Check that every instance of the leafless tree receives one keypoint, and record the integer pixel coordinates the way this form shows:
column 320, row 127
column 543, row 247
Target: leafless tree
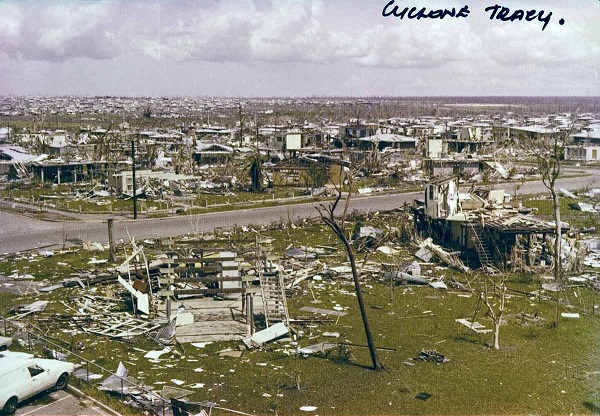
column 497, row 306
column 549, row 158
column 327, row 213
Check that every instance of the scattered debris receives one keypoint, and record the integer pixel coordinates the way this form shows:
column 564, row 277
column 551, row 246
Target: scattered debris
column 370, row 234
column 37, row 306
column 231, row 353
column 321, row 347
column 432, row 356
column 475, row 326
column 567, row 193
column 165, row 335
column 322, row 311
column 423, row 396
column 93, row 246
column 82, row 374
column 299, row 254
column 582, row 206
column 170, row 392
column 405, row 278
column 387, row 250
column 155, row 355
column 269, row 334
column 552, row 287
column 449, row 258
column 438, row 285
column 120, row 382
column 143, row 301
column 115, row 325
column 184, row 318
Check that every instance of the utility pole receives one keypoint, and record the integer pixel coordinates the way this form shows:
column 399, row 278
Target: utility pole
column 256, row 123
column 241, row 124
column 134, row 184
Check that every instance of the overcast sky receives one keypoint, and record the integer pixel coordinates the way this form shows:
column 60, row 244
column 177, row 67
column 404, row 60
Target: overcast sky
column 293, row 48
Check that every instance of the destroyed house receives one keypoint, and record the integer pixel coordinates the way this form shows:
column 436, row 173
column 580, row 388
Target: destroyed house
column 213, row 133
column 233, row 274
column 436, row 148
column 469, row 140
column 273, row 140
column 356, row 131
column 385, row 141
column 522, row 134
column 212, row 153
column 483, row 226
column 306, row 172
column 453, row 166
column 11, row 156
column 122, row 182
column 59, row 171
column 420, row 130
column 5, row 133
column 585, row 147
column 59, row 145
column 297, row 140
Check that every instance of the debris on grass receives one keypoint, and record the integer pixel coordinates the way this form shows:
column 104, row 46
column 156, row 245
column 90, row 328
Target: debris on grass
column 432, row 356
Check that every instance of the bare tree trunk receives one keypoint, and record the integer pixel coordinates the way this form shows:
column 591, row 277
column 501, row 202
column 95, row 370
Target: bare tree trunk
column 557, row 250
column 328, row 217
column 497, row 335
column 361, row 305
column 496, row 315
column 550, row 164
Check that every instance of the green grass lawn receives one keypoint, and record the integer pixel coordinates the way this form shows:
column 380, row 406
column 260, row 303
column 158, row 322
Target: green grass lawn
column 209, row 199
column 538, row 370
column 61, row 197
column 528, row 375
column 576, row 219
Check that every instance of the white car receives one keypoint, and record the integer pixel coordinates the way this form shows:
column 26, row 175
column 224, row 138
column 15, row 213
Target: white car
column 22, row 376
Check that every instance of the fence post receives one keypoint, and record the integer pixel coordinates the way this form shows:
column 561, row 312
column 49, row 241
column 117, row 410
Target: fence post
column 111, row 241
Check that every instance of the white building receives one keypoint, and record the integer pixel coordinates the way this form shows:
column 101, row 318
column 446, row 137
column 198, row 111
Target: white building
column 585, row 147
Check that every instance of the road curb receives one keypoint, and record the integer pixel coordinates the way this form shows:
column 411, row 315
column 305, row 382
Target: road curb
column 79, row 393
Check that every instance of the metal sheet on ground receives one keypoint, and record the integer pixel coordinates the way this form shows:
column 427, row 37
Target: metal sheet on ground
column 322, row 311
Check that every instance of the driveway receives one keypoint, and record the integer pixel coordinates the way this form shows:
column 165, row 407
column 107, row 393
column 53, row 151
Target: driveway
column 59, row 403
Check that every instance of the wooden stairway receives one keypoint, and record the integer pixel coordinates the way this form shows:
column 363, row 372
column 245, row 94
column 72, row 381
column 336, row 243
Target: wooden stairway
column 272, row 291
column 273, row 297
column 480, row 242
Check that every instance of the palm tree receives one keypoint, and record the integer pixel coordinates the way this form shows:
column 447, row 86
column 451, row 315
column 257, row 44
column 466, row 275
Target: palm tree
column 256, row 174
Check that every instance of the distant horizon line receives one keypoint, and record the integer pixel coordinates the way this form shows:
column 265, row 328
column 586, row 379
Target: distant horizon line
column 239, row 97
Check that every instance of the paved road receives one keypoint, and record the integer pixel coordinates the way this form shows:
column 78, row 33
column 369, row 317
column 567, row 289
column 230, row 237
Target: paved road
column 18, row 233
column 59, row 403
